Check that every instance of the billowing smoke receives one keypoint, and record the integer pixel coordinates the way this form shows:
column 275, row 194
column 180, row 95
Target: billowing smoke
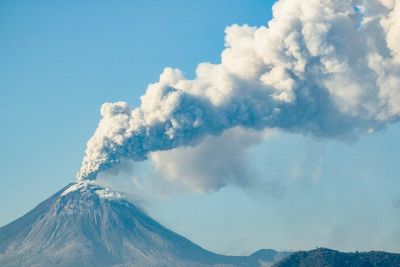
column 326, row 68
column 214, row 163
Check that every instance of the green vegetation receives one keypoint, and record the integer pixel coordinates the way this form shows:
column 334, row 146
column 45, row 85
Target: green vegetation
column 323, row 257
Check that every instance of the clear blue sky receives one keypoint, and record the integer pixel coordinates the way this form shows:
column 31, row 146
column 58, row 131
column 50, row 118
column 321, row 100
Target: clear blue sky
column 60, row 60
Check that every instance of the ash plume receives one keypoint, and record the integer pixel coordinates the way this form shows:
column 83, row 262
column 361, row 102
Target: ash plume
column 326, row 68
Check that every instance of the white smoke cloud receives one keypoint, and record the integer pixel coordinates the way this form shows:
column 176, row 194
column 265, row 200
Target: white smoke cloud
column 213, row 164
column 396, row 203
column 326, row 68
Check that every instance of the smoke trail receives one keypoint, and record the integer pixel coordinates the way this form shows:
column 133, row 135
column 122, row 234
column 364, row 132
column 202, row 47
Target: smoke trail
column 328, row 68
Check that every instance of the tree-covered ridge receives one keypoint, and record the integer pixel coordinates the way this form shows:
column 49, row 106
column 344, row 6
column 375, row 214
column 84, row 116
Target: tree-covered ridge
column 323, row 257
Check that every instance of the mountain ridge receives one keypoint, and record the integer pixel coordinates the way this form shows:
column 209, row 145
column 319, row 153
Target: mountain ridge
column 85, row 224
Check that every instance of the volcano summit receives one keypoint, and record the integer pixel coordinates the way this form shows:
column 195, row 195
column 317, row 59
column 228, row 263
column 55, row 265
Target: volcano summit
column 85, row 224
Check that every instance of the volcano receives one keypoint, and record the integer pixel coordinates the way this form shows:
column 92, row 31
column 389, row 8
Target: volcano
column 85, row 224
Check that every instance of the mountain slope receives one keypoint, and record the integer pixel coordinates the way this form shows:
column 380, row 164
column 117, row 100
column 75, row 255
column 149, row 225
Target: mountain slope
column 88, row 225
column 332, row 258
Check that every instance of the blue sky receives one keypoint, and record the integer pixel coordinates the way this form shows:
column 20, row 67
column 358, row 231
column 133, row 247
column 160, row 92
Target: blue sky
column 60, row 60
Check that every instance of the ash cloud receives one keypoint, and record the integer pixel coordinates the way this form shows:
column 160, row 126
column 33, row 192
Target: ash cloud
column 396, row 203
column 214, row 163
column 329, row 69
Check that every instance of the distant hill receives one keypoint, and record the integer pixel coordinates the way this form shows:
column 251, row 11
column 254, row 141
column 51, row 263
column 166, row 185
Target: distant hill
column 323, row 257
column 88, row 225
